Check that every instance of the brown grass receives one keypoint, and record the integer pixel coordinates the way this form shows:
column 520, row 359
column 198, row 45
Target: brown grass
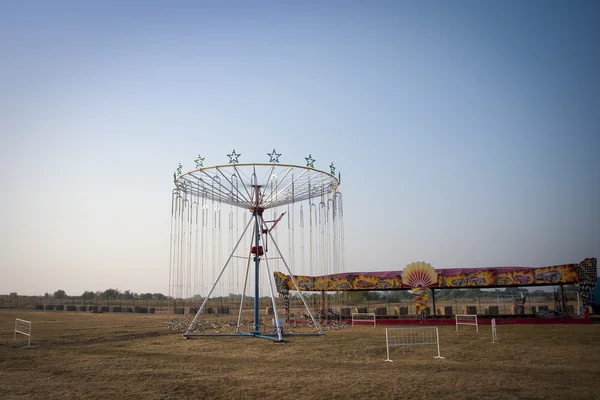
column 123, row 356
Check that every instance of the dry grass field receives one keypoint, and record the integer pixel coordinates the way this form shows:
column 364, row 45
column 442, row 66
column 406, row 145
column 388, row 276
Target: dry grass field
column 120, row 356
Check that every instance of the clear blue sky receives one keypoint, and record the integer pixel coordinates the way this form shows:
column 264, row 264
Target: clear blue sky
column 467, row 133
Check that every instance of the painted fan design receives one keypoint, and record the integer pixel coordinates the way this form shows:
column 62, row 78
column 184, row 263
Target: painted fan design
column 419, row 274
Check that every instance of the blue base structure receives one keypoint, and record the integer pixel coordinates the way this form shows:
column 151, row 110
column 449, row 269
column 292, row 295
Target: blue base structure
column 274, row 337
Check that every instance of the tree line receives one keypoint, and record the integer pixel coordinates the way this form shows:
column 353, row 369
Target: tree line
column 108, row 294
column 392, row 295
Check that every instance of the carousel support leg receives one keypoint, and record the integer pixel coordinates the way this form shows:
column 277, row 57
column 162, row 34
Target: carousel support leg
column 433, row 300
column 304, row 300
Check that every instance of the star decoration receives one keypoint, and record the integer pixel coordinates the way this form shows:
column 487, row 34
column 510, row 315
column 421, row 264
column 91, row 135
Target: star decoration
column 332, row 168
column 274, row 156
column 199, row 162
column 177, row 173
column 310, row 162
column 233, row 157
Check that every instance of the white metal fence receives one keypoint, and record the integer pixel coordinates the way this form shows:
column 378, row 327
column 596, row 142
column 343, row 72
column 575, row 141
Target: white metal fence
column 466, row 319
column 362, row 317
column 396, row 337
column 494, row 334
column 24, row 328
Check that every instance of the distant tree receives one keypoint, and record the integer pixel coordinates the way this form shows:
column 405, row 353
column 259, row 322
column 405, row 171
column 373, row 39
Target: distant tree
column 160, row 296
column 397, row 295
column 88, row 295
column 451, row 293
column 13, row 298
column 60, row 294
column 372, row 295
column 541, row 294
column 357, row 296
column 515, row 291
column 127, row 295
column 110, row 294
column 46, row 295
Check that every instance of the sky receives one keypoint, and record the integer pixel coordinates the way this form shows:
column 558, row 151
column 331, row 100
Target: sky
column 466, row 133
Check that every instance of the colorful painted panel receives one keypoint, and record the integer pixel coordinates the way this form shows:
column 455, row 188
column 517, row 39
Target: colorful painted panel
column 421, row 277
column 304, row 283
column 566, row 274
column 446, row 278
column 519, row 277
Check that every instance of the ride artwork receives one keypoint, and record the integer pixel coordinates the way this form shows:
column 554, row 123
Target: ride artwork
column 565, row 274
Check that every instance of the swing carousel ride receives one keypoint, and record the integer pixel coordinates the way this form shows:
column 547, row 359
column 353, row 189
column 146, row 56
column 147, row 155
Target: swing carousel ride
column 238, row 230
column 235, row 227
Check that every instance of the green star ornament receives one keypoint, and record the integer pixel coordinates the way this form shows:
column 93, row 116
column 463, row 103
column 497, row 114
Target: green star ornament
column 274, row 156
column 310, row 162
column 233, row 157
column 199, row 162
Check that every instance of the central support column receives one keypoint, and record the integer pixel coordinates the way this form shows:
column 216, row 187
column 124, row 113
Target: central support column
column 257, row 253
column 255, row 249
